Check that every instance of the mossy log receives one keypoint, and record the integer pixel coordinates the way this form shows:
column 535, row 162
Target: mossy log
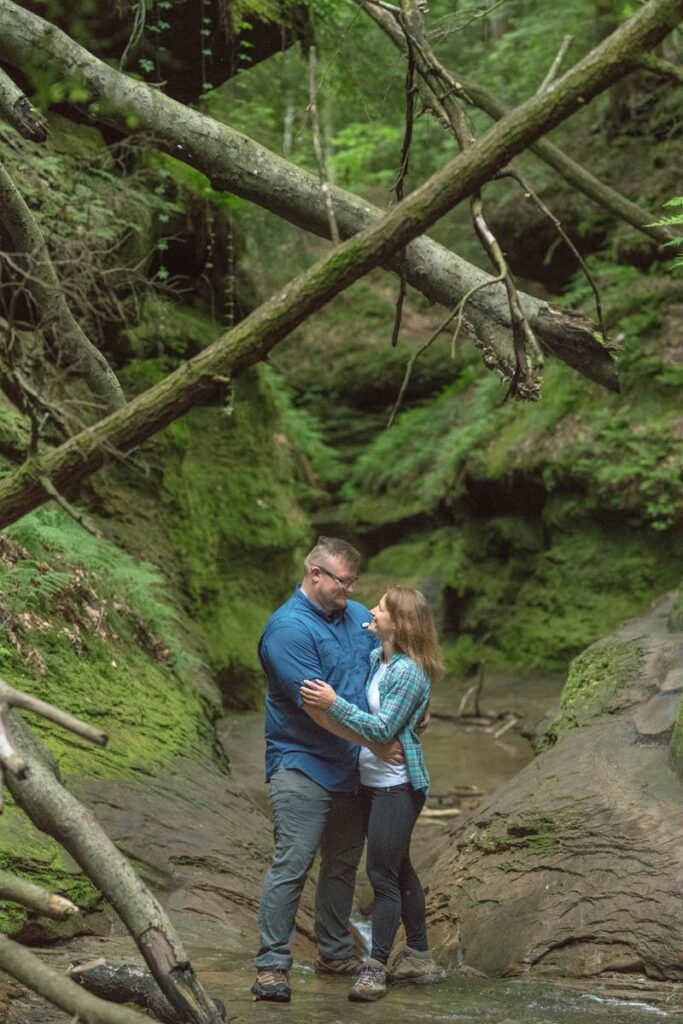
column 252, row 339
column 574, row 868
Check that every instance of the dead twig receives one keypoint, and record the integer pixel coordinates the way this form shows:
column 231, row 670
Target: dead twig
column 34, row 898
column 662, row 67
column 529, row 193
column 398, row 185
column 317, row 143
column 11, row 698
column 555, row 66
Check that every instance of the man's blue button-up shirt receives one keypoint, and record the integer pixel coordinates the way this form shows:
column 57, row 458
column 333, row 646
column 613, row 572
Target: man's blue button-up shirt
column 301, row 641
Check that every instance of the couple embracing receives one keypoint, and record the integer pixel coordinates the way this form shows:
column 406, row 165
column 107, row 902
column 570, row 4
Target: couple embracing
column 339, row 678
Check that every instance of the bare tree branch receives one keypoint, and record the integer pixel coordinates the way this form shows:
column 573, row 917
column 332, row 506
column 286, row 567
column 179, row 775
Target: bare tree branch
column 577, row 175
column 525, row 379
column 53, row 810
column 34, row 898
column 317, row 143
column 557, row 224
column 662, row 67
column 11, row 698
column 399, row 185
column 556, row 64
column 19, row 111
column 59, row 989
column 53, row 314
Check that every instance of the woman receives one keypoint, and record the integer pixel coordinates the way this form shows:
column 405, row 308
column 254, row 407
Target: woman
column 402, row 668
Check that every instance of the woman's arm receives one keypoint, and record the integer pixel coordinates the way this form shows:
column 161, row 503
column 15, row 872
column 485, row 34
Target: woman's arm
column 391, row 752
column 406, row 687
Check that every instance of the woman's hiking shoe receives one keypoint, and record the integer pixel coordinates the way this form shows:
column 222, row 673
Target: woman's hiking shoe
column 349, row 965
column 272, row 984
column 370, row 983
column 414, row 965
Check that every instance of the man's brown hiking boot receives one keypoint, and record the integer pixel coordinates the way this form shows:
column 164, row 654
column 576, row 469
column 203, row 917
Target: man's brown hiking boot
column 414, row 965
column 348, row 966
column 272, row 984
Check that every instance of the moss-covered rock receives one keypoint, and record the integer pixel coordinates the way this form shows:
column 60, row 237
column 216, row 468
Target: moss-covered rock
column 597, row 682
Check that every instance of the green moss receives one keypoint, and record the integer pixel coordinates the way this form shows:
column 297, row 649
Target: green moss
column 180, row 332
column 532, row 832
column 86, row 651
column 31, row 855
column 150, row 716
column 597, row 681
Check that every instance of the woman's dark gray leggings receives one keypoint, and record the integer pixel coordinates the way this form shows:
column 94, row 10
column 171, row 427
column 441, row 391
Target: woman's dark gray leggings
column 390, row 816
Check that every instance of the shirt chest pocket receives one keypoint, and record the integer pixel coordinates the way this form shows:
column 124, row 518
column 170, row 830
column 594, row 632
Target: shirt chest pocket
column 335, row 661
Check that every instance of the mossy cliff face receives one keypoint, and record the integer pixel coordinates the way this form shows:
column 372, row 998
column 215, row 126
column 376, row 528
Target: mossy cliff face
column 136, row 648
column 514, row 593
column 134, row 635
column 146, row 632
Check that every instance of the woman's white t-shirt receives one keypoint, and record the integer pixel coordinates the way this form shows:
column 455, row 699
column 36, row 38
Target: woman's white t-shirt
column 373, row 771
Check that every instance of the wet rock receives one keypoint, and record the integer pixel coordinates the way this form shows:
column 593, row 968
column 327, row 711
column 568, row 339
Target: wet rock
column 658, row 715
column 575, row 867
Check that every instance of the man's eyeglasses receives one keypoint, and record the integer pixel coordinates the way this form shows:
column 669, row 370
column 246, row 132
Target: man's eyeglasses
column 346, row 582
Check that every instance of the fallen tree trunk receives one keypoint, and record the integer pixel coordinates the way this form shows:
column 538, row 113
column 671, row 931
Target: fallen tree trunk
column 253, row 338
column 574, row 867
column 232, row 162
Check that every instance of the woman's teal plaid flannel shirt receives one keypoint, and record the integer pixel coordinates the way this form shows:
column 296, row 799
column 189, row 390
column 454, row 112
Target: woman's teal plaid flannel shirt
column 403, row 694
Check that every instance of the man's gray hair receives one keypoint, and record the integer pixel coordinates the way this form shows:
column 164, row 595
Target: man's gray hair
column 332, row 547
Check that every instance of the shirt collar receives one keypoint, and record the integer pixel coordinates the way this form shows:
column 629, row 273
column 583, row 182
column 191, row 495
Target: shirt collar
column 332, row 617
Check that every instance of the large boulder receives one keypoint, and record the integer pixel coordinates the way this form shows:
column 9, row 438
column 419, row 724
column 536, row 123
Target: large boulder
column 575, row 867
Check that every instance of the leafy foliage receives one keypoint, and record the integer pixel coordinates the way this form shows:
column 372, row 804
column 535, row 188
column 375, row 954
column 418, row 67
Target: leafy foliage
column 675, row 220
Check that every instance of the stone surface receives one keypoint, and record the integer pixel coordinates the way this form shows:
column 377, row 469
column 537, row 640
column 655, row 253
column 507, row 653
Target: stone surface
column 658, row 715
column 673, row 680
column 575, row 867
column 202, row 845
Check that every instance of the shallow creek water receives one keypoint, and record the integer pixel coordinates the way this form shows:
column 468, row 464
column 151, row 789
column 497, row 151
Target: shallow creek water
column 457, row 756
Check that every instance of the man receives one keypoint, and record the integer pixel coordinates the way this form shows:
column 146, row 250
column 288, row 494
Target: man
column 317, row 634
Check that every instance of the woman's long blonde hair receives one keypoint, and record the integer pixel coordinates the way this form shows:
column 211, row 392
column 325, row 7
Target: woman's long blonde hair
column 415, row 631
